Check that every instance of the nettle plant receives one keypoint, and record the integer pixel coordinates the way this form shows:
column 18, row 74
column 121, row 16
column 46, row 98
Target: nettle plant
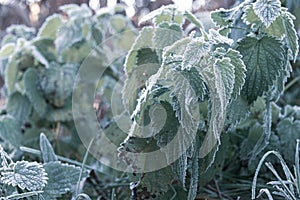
column 205, row 82
column 40, row 69
column 195, row 87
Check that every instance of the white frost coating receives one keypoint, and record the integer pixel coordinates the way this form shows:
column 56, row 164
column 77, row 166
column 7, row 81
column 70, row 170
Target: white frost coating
column 26, row 175
column 267, row 10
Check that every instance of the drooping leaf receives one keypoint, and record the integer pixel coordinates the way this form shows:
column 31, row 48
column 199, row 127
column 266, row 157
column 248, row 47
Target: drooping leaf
column 30, row 83
column 239, row 71
column 267, row 10
column 291, row 34
column 19, row 107
column 186, row 101
column 25, row 175
column 10, row 131
column 46, row 149
column 61, row 179
column 194, row 172
column 220, row 79
column 264, row 60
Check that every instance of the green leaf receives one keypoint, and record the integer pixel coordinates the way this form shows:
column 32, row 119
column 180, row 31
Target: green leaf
column 166, row 34
column 186, row 101
column 194, row 173
column 56, row 83
column 291, row 34
column 11, row 73
column 62, row 177
column 267, row 10
column 7, row 50
column 288, row 131
column 25, row 175
column 62, row 114
column 224, row 18
column 19, row 107
column 66, row 36
column 46, row 149
column 194, row 53
column 143, row 41
column 46, row 47
column 249, row 17
column 50, row 26
column 219, row 78
column 10, row 131
column 264, row 60
column 164, row 14
column 239, row 71
column 30, row 83
column 156, row 182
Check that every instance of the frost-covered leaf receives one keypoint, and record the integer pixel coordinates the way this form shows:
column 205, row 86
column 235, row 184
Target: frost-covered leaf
column 156, row 182
column 288, row 131
column 46, row 47
column 50, row 26
column 194, row 173
column 46, row 149
column 19, row 107
column 239, row 71
column 264, row 60
column 25, row 175
column 75, row 11
column 166, row 34
column 143, row 41
column 11, row 73
column 237, row 110
column 224, row 73
column 61, row 179
column 164, row 14
column 6, row 50
column 186, row 101
column 219, row 78
column 56, row 83
column 249, row 17
column 66, row 36
column 194, row 53
column 141, row 62
column 196, row 82
column 10, row 131
column 223, row 17
column 30, row 83
column 267, row 10
column 291, row 34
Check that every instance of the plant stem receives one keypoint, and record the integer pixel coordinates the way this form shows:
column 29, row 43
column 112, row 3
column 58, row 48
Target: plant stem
column 290, row 84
